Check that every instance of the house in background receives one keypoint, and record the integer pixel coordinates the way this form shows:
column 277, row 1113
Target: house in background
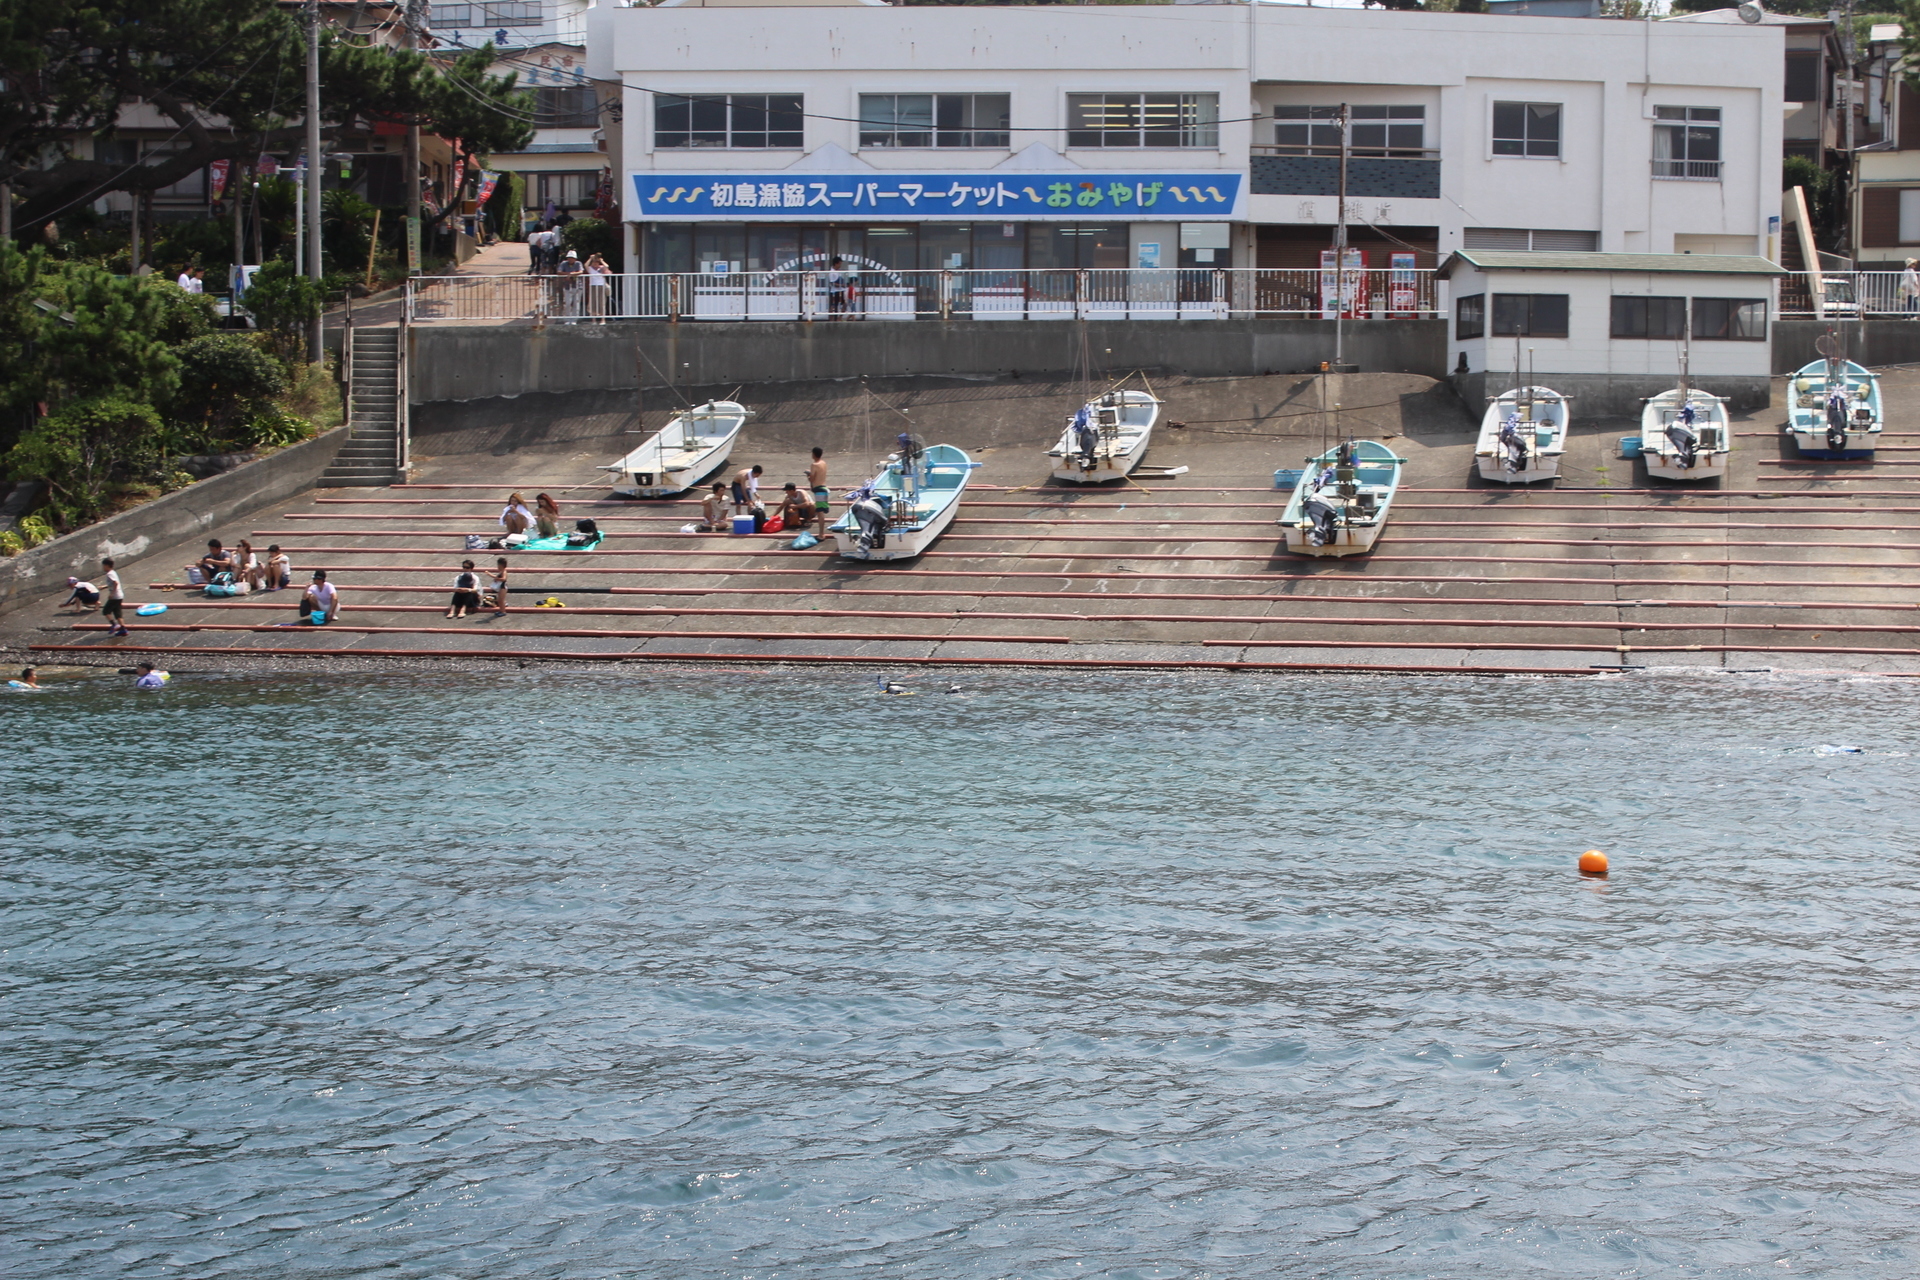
column 543, row 43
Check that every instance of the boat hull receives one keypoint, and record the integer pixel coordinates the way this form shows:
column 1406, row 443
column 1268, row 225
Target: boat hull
column 1708, row 469
column 1348, row 540
column 1860, row 444
column 1807, row 412
column 902, row 544
column 1538, row 468
column 658, row 469
column 686, row 479
column 1105, row 470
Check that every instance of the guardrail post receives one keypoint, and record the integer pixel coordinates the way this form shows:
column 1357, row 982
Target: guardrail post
column 673, row 299
column 1219, row 294
column 806, row 296
column 1079, row 295
column 946, row 295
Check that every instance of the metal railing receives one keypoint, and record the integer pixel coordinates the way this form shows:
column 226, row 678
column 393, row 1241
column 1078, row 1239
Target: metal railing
column 1168, row 293
column 1845, row 295
column 1688, row 170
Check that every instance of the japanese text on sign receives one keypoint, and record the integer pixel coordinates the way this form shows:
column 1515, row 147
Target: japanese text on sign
column 1185, row 196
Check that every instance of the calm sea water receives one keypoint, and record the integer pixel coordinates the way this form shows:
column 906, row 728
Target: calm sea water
column 758, row 975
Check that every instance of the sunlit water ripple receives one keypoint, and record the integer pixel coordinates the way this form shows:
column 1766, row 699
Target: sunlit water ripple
column 725, row 975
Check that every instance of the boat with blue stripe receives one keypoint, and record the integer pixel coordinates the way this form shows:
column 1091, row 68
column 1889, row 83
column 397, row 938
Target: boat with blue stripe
column 1341, row 501
column 898, row 514
column 1833, row 408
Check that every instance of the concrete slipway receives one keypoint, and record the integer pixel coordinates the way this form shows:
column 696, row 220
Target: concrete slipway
column 1783, row 565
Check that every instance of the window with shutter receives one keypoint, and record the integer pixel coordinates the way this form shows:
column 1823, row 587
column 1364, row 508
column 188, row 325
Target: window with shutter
column 1879, row 217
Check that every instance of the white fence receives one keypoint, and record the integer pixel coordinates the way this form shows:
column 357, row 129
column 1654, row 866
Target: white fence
column 1845, row 295
column 1156, row 294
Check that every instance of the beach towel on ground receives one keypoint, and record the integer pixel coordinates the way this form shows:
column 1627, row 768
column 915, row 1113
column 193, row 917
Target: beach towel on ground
column 558, row 543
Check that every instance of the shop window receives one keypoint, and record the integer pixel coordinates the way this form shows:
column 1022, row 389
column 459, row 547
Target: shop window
column 1530, row 315
column 934, row 119
column 1649, row 317
column 1526, row 129
column 1470, row 317
column 1730, row 319
column 502, row 13
column 1143, row 120
column 1686, row 142
column 733, row 120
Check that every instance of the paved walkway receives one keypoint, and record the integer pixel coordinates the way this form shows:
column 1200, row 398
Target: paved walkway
column 503, row 258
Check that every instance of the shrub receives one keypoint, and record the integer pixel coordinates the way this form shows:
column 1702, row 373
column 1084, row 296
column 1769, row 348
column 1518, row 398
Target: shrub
column 225, row 381
column 587, row 236
column 86, row 446
column 284, row 304
column 275, row 427
column 10, row 544
column 35, row 530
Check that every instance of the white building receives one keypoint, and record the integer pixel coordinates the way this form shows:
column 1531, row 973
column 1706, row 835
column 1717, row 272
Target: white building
column 1609, row 329
column 542, row 43
column 759, row 135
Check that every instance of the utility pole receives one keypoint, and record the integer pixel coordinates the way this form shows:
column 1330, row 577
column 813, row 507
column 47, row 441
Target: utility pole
column 410, row 153
column 315, row 165
column 1340, row 249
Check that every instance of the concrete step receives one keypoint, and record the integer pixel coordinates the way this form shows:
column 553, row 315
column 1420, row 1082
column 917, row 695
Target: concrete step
column 368, row 470
column 358, row 482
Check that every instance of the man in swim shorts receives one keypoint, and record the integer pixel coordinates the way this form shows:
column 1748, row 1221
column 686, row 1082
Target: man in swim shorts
column 817, row 481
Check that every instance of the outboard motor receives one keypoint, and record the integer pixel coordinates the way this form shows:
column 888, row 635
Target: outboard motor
column 1085, row 438
column 1685, row 441
column 871, row 515
column 1836, row 419
column 1321, row 517
column 1511, row 441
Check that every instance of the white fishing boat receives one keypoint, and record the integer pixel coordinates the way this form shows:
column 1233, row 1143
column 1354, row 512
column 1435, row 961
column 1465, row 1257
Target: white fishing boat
column 1522, row 436
column 898, row 514
column 1833, row 406
column 1341, row 501
column 692, row 446
column 1107, row 438
column 1684, row 435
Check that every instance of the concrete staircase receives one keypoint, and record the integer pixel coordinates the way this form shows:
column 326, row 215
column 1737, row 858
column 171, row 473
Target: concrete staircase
column 370, row 455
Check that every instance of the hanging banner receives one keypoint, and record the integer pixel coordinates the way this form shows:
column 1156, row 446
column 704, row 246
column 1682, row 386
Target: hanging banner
column 413, row 246
column 922, row 197
column 218, row 174
column 1343, row 293
column 487, row 183
column 266, row 167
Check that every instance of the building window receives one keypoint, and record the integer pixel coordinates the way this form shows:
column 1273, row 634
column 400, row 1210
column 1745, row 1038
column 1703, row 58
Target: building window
column 1686, row 142
column 737, row 120
column 1526, row 129
column 1530, row 315
column 1730, row 319
column 1143, row 119
column 564, row 190
column 1803, row 76
column 1910, row 215
column 573, row 107
column 501, row 13
column 1377, row 131
column 1521, row 240
column 1649, row 317
column 934, row 119
column 1470, row 317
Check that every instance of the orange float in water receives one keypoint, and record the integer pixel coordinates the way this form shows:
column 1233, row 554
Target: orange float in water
column 1593, row 863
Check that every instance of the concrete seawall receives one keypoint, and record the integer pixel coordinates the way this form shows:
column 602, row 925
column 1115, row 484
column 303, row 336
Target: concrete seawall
column 194, row 511
column 1872, row 342
column 475, row 363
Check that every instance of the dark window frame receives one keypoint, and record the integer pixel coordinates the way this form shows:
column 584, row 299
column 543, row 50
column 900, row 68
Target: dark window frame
column 952, row 121
column 1398, row 130
column 571, row 106
column 729, row 121
column 1636, row 316
column 1525, row 131
column 1470, row 317
column 1528, row 315
column 1729, row 319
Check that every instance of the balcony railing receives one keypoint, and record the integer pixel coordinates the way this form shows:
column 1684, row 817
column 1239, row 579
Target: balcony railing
column 1168, row 293
column 1846, row 295
column 1688, row 170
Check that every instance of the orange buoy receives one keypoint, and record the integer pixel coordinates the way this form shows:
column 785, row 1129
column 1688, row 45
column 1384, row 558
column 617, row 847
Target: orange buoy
column 1593, row 863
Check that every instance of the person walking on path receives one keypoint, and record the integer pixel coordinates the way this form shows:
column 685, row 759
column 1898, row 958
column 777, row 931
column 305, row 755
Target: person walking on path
column 466, row 592
column 746, row 488
column 114, row 606
column 499, row 582
column 1910, row 289
column 822, row 496
column 321, row 599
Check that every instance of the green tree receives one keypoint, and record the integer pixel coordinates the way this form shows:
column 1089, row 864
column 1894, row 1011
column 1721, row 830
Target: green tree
column 226, row 383
column 84, row 447
column 68, row 66
column 588, row 236
column 283, row 305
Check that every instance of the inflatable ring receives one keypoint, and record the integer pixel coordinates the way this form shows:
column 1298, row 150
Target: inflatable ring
column 150, row 610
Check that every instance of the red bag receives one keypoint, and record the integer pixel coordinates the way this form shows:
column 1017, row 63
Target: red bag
column 774, row 525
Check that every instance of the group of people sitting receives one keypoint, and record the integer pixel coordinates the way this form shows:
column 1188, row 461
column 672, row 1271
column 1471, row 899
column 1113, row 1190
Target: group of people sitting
column 799, row 507
column 245, row 568
column 544, row 516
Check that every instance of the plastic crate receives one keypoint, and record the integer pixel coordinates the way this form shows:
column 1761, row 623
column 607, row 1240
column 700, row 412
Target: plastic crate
column 1287, row 477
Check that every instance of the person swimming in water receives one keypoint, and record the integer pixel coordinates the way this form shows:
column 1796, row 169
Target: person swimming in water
column 148, row 678
column 27, row 679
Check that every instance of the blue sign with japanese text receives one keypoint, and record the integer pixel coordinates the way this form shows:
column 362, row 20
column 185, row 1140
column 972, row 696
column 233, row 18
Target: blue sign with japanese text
column 912, row 197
